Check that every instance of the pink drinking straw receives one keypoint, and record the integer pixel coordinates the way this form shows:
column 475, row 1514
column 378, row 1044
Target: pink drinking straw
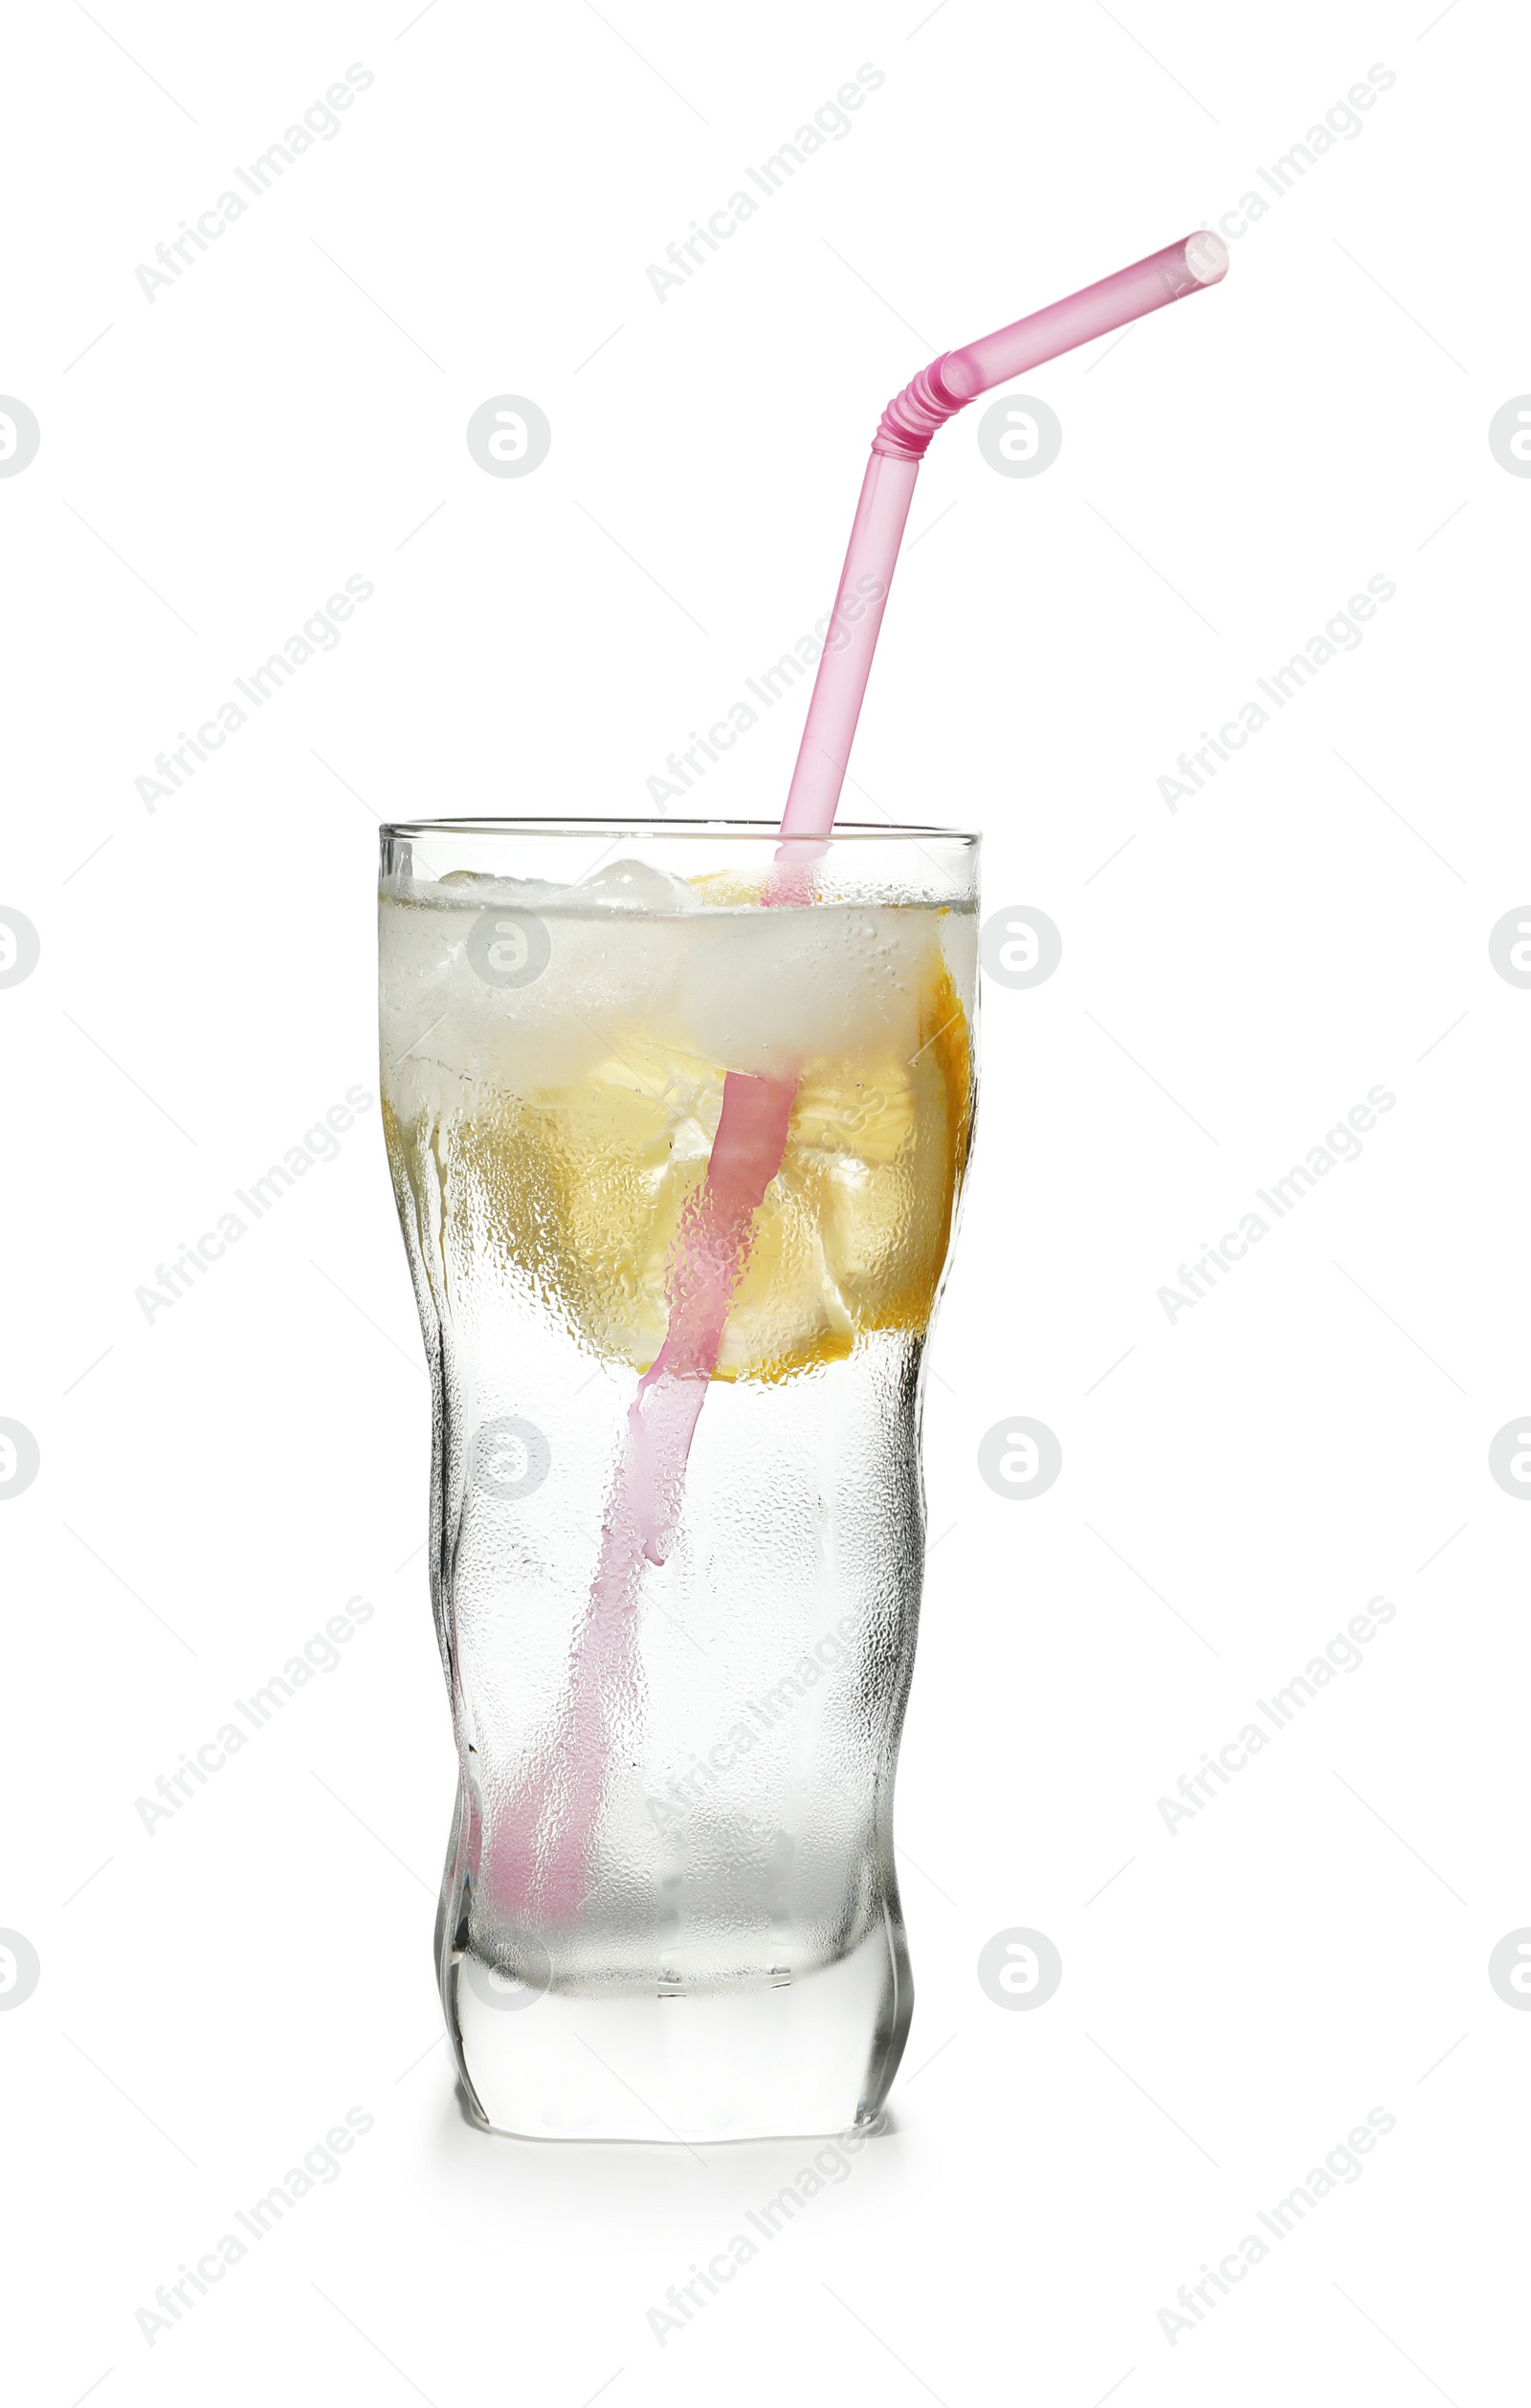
column 897, row 448
column 539, row 1862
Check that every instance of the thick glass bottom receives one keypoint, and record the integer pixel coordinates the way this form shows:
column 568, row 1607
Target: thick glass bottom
column 791, row 2057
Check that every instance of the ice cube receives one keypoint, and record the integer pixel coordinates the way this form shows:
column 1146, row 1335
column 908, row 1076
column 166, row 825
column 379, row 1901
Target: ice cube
column 479, row 886
column 635, row 886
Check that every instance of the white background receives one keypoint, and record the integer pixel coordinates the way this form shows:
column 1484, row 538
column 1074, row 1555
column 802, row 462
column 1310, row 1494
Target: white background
column 1237, row 1484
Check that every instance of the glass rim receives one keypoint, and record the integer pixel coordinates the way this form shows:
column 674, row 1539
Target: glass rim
column 742, row 830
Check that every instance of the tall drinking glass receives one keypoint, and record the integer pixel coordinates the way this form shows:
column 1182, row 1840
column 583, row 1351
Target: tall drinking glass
column 678, row 1665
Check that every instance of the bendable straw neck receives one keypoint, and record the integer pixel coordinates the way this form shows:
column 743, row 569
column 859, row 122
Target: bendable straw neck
column 917, row 413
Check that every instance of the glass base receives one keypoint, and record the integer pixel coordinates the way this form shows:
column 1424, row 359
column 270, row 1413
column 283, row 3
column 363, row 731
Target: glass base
column 807, row 2055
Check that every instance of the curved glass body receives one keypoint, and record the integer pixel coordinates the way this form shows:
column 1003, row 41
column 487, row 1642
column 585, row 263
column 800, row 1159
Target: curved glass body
column 677, row 1534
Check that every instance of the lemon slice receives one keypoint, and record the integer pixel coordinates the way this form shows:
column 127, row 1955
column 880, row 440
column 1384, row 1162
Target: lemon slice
column 577, row 1192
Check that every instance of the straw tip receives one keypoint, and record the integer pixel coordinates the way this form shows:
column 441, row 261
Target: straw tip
column 1207, row 258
